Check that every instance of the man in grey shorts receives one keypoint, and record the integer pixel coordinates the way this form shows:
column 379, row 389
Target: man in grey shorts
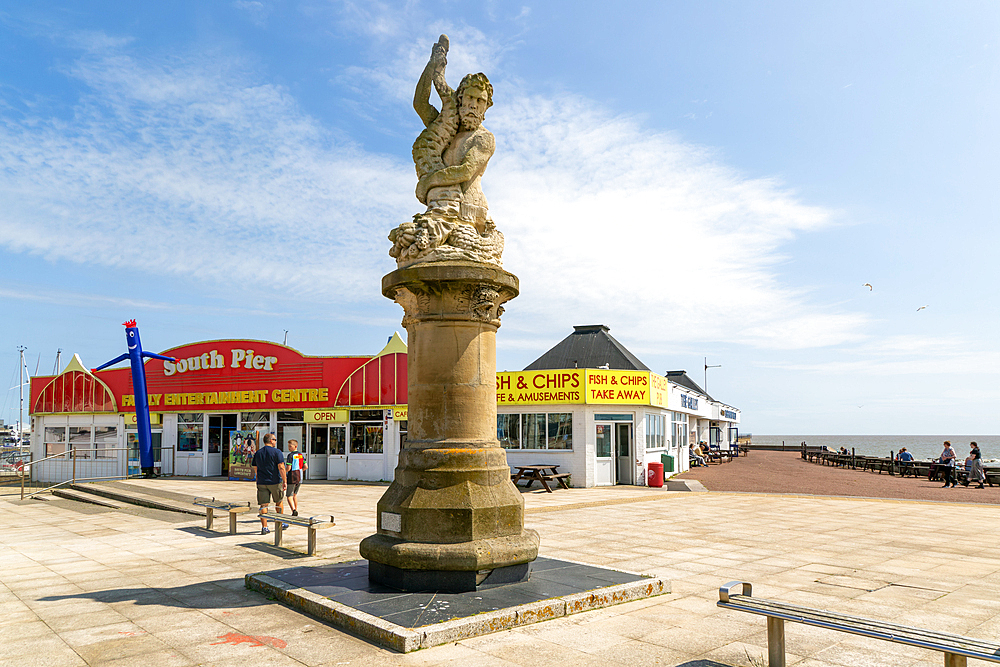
column 269, row 469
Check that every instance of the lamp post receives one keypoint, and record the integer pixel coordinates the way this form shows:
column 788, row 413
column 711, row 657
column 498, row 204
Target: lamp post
column 706, row 372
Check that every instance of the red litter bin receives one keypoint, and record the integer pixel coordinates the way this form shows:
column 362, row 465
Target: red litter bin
column 654, row 475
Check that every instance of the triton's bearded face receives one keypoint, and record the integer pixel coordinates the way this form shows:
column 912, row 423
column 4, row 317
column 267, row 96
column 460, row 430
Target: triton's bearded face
column 472, row 107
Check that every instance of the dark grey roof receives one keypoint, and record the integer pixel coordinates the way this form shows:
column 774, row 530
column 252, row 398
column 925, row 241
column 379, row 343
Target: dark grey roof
column 589, row 346
column 683, row 379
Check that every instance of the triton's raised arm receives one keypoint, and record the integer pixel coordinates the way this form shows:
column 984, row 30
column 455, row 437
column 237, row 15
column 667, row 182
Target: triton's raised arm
column 422, row 95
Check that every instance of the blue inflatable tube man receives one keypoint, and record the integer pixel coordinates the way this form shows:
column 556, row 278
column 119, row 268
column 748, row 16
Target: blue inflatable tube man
column 135, row 355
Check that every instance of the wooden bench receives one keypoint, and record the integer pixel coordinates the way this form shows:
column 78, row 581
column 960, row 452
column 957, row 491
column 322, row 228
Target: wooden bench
column 956, row 648
column 211, row 505
column 559, row 477
column 282, row 521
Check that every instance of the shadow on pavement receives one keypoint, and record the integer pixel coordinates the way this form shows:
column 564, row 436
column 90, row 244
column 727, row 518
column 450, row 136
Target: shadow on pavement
column 220, row 594
column 271, row 550
column 703, row 663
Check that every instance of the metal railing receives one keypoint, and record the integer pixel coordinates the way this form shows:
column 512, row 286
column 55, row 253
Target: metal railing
column 78, row 464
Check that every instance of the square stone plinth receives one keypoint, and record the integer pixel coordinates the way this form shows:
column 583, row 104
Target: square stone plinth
column 342, row 595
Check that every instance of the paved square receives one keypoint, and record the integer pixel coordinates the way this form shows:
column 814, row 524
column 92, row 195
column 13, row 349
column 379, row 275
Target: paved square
column 105, row 587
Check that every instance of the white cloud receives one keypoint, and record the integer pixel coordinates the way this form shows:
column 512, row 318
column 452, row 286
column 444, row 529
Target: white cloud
column 608, row 221
column 905, row 355
column 256, row 11
column 193, row 166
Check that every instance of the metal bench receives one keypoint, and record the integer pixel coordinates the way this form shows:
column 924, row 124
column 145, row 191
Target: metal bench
column 211, row 505
column 956, row 648
column 282, row 521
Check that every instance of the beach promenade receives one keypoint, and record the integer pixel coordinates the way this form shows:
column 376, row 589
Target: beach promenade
column 89, row 585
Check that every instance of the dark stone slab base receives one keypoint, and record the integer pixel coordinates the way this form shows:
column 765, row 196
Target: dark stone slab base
column 343, row 595
column 443, row 581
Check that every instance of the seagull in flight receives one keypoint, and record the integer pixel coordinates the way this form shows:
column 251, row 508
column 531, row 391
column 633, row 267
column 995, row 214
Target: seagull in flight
column 869, row 286
column 921, row 308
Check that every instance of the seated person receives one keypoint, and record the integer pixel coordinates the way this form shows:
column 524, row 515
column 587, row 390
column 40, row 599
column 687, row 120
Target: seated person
column 699, row 455
column 905, row 460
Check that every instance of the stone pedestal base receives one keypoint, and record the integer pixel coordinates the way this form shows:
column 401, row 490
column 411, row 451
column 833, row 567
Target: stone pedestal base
column 451, row 520
column 446, row 581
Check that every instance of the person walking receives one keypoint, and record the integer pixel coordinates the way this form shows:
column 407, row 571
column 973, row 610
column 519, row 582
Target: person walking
column 269, row 470
column 297, row 465
column 976, row 474
column 947, row 459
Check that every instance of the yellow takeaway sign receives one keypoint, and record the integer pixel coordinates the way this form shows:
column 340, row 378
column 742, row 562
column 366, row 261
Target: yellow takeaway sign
column 575, row 386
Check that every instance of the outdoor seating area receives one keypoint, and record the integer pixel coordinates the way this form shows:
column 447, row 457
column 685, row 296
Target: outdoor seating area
column 716, row 454
column 891, row 466
column 543, row 474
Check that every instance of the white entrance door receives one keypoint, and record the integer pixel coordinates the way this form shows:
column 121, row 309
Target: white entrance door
column 336, row 461
column 604, row 469
column 317, row 455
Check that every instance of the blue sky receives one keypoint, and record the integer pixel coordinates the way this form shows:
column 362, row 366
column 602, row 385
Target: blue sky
column 709, row 179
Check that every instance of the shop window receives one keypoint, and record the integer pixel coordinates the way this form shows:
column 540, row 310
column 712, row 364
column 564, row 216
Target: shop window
column 509, row 431
column 656, row 427
column 55, row 440
column 105, row 442
column 290, row 427
column 366, row 437
column 366, row 415
column 403, row 427
column 80, row 442
column 603, row 444
column 535, row 431
column 338, row 440
column 250, row 421
column 560, row 430
column 319, row 440
column 155, row 442
column 680, row 429
column 190, row 432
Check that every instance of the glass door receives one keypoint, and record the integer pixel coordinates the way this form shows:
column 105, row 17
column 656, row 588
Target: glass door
column 336, row 461
column 604, row 471
column 623, row 447
column 319, row 442
column 215, row 445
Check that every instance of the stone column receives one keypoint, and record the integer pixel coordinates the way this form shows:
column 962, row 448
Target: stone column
column 452, row 520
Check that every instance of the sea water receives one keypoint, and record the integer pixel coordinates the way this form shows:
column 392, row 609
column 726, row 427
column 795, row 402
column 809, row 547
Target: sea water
column 923, row 447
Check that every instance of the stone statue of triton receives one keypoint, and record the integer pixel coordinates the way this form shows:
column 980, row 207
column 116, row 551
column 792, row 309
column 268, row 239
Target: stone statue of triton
column 450, row 156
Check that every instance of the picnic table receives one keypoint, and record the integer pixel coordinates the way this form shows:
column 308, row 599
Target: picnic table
column 541, row 473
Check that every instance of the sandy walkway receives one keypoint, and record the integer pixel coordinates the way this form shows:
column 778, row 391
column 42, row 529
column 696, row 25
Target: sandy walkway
column 786, row 472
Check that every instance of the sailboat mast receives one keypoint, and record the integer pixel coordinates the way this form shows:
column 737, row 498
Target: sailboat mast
column 20, row 391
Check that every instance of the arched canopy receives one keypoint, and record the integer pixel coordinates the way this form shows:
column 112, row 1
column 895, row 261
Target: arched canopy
column 380, row 381
column 75, row 390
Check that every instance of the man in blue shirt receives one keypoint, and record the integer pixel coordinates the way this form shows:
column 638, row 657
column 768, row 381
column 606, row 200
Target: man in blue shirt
column 268, row 467
column 905, row 461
